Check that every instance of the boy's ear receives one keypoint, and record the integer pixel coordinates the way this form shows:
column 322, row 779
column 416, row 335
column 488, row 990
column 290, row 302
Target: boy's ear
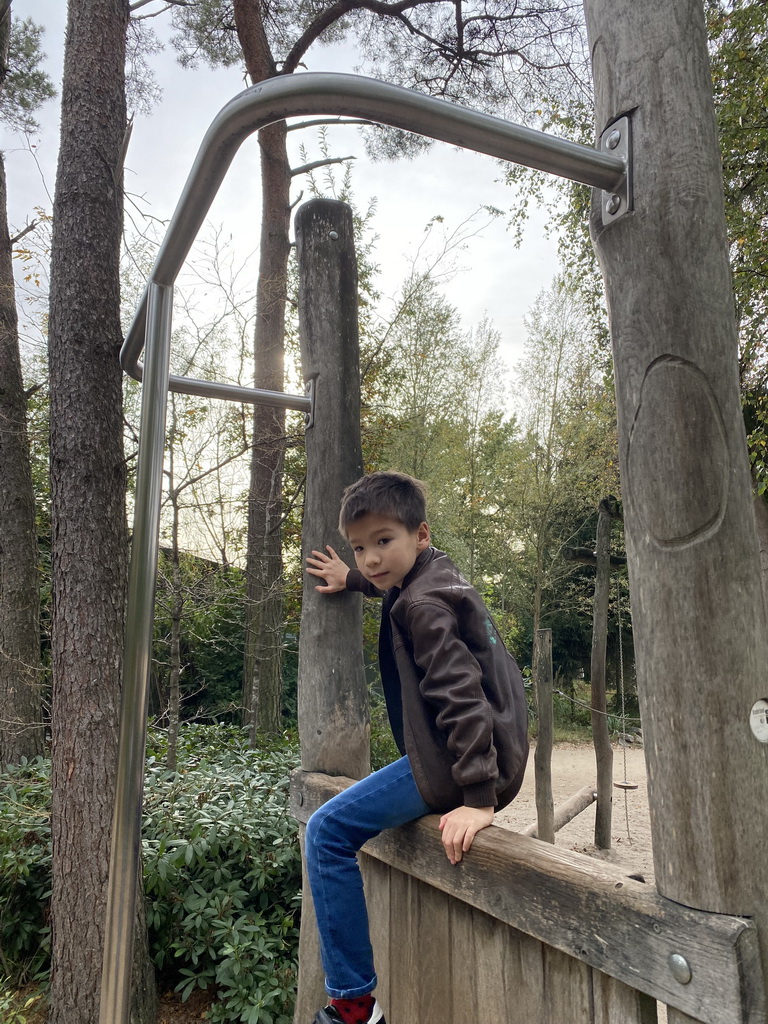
column 422, row 536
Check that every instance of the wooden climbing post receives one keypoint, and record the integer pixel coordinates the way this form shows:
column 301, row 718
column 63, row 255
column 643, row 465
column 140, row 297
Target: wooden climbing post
column 699, row 621
column 334, row 727
column 542, row 681
column 601, row 735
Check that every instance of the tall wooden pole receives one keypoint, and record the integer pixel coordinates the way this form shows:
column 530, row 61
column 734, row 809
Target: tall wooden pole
column 542, row 759
column 334, row 725
column 698, row 613
column 601, row 736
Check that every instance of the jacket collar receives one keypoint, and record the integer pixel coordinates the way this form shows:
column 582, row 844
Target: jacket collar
column 422, row 559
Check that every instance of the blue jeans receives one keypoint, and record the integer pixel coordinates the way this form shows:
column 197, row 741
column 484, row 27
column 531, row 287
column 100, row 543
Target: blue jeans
column 335, row 833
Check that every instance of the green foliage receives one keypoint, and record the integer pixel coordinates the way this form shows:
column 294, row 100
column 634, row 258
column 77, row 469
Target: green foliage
column 18, row 1007
column 211, row 636
column 25, row 87
column 25, row 870
column 222, row 873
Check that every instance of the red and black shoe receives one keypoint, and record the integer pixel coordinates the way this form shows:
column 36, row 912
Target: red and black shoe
column 330, row 1015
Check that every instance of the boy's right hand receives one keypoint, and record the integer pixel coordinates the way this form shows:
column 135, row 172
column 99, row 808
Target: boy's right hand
column 332, row 568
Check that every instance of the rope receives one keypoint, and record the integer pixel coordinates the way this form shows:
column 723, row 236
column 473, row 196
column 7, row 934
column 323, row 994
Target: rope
column 623, row 705
column 584, row 704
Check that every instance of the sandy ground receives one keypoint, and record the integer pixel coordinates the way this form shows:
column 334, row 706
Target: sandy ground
column 573, row 767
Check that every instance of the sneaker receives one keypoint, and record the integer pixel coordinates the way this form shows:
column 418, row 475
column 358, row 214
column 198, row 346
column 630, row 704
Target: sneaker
column 328, row 1015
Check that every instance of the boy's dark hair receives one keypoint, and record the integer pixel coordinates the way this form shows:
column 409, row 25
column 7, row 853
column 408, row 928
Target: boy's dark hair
column 385, row 493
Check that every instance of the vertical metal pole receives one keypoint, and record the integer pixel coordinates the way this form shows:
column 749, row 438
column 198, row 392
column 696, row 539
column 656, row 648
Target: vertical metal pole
column 125, row 858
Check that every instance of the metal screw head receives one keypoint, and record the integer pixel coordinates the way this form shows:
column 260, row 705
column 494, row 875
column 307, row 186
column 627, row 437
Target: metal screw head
column 613, row 139
column 613, row 203
column 333, row 234
column 680, row 968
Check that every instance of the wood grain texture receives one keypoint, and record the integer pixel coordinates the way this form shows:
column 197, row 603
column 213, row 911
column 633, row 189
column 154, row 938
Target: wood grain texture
column 334, row 727
column 333, row 697
column 542, row 759
column 580, row 907
column 698, row 613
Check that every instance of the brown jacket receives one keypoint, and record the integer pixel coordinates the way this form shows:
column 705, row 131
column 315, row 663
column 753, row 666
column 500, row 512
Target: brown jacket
column 464, row 713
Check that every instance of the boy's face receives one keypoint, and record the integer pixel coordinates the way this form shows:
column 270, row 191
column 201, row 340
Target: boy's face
column 385, row 550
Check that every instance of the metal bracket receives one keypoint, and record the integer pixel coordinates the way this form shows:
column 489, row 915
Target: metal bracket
column 309, row 391
column 617, row 140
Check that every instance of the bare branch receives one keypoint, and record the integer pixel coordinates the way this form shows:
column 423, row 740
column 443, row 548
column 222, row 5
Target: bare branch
column 339, row 10
column 26, row 230
column 168, row 4
column 306, row 168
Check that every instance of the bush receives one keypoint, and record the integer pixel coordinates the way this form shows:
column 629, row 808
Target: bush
column 25, row 870
column 222, row 872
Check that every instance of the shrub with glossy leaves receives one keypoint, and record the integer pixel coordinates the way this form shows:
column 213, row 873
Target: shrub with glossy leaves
column 222, row 872
column 25, row 870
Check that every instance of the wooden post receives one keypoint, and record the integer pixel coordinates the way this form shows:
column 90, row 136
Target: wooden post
column 601, row 736
column 698, row 614
column 542, row 680
column 334, row 725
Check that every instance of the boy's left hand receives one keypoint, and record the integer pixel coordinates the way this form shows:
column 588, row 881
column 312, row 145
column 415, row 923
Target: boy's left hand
column 459, row 828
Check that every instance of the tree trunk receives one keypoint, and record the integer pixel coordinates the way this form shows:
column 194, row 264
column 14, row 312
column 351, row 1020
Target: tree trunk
column 262, row 676
column 601, row 736
column 262, row 668
column 697, row 607
column 21, row 728
column 89, row 541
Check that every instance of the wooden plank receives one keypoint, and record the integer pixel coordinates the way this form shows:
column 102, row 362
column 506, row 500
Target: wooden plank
column 615, row 1002
column 376, row 879
column 471, row 949
column 583, row 907
column 567, row 988
column 311, row 987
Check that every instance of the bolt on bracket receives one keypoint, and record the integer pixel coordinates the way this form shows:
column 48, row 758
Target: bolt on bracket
column 309, row 391
column 617, row 140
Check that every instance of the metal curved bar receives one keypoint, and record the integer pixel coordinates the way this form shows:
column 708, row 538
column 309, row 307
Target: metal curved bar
column 352, row 95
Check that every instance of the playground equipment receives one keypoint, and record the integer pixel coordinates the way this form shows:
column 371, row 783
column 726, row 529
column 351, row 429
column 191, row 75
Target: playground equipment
column 523, row 932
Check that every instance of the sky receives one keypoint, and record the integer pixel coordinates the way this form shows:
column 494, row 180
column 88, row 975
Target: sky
column 498, row 279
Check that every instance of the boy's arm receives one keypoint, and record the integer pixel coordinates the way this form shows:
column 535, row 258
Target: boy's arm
column 451, row 681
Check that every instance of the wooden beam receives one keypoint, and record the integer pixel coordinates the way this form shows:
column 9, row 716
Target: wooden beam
column 588, row 557
column 581, row 906
column 566, row 811
column 542, row 680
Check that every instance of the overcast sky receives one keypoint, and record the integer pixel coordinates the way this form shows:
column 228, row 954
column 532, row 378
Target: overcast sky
column 500, row 280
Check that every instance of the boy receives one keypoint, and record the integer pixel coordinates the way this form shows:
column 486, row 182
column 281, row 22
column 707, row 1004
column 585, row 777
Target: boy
column 456, row 705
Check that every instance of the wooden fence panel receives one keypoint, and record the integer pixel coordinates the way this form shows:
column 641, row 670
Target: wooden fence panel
column 561, row 921
column 441, row 961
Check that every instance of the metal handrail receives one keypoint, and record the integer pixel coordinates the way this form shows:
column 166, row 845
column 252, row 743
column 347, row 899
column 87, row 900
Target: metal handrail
column 355, row 96
column 253, row 109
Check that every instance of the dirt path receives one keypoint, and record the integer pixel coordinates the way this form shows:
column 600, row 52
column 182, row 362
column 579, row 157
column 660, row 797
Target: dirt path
column 573, row 767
